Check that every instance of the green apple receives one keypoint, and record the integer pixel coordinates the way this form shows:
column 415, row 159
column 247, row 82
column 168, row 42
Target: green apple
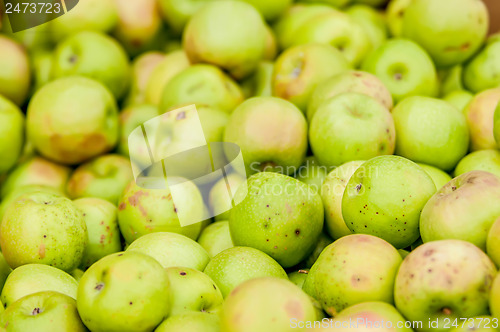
column 142, row 211
column 104, row 177
column 480, row 324
column 495, row 298
column 437, row 175
column 300, row 69
column 233, row 266
column 190, row 321
column 77, row 274
column 450, row 30
column 280, row 216
column 311, row 173
column 192, row 290
column 270, row 10
column 480, row 114
column 384, row 197
column 459, row 98
column 76, row 132
column 15, row 77
column 482, row 160
column 323, row 241
column 216, row 238
column 44, row 312
column 12, row 131
column 493, row 243
column 444, row 280
column 430, row 131
column 142, row 68
column 463, row 209
column 178, row 12
column 275, row 304
column 126, row 291
column 371, row 21
column 332, row 191
column 220, row 199
column 351, row 126
column 102, row 228
column 129, row 119
column 201, row 84
column 354, row 269
column 451, row 79
column 171, row 249
column 405, row 69
column 34, row 278
column 271, row 132
column 260, row 83
column 43, row 228
column 298, row 277
column 480, row 73
column 395, row 14
column 228, row 34
column 93, row 55
column 271, row 49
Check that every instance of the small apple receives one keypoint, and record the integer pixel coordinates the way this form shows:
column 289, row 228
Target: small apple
column 459, row 98
column 129, row 119
column 437, row 175
column 480, row 73
column 371, row 21
column 311, row 173
column 395, row 14
column 216, row 238
column 178, row 12
column 480, row 118
column 15, row 76
column 190, row 321
column 142, row 68
column 12, row 131
column 482, row 160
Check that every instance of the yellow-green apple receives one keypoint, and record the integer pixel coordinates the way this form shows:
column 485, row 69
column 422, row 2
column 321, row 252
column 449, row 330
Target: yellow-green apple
column 172, row 249
column 103, row 177
column 178, row 12
column 298, row 277
column 216, row 238
column 451, row 31
column 482, row 160
column 481, row 72
column 44, row 312
column 351, row 126
column 280, row 216
column 444, row 280
column 233, row 266
column 332, row 191
column 94, row 55
column 201, row 84
column 34, row 278
column 271, row 50
column 459, row 98
column 495, row 298
column 354, row 269
column 270, row 10
column 72, row 119
column 128, row 120
column 142, row 68
column 463, row 209
column 15, row 75
column 275, row 303
column 493, row 243
column 271, row 132
column 405, row 69
column 77, row 274
column 190, row 321
column 12, row 130
column 394, row 16
column 480, row 114
column 372, row 21
column 311, row 173
column 430, row 131
column 126, row 291
column 219, row 198
column 300, row 69
column 437, row 175
column 102, row 228
column 228, row 34
column 384, row 197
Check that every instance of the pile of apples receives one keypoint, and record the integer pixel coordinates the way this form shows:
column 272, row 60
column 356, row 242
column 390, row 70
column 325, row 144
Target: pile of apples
column 370, row 134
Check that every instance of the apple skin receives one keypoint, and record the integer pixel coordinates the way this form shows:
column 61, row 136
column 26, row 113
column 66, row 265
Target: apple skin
column 405, row 69
column 126, row 291
column 394, row 16
column 445, row 279
column 371, row 21
column 311, row 173
column 349, row 81
column 102, row 228
column 129, row 119
column 201, row 84
column 289, row 214
column 384, row 197
column 437, row 175
column 172, row 249
column 190, row 321
column 430, row 131
column 300, row 69
column 270, row 10
column 340, row 278
column 298, row 277
column 178, row 12
column 57, row 231
column 351, row 126
column 5, row 270
column 104, row 177
column 228, row 34
column 496, row 125
column 77, row 132
column 233, row 266
column 260, row 83
column 15, row 76
column 275, row 304
column 216, row 238
column 451, row 31
column 480, row 115
column 45, row 312
column 451, row 79
column 12, row 130
column 93, row 55
column 34, row 278
column 495, row 298
column 459, row 98
column 332, row 192
column 481, row 72
column 271, row 133
column 192, row 290
column 493, row 243
column 482, row 160
column 41, row 66
column 142, row 68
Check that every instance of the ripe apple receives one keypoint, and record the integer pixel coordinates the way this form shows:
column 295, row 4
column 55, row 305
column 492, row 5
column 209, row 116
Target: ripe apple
column 190, row 321
column 371, row 21
column 126, row 291
column 495, row 298
column 437, row 175
column 216, row 238
column 15, row 76
column 480, row 118
column 395, row 14
column 450, row 30
column 129, row 119
column 405, row 69
column 311, row 173
column 12, row 130
column 178, row 12
column 34, row 278
column 351, row 126
column 459, row 98
column 444, row 280
column 482, row 160
column 493, row 243
column 76, row 132
column 430, row 131
column 142, row 68
column 271, row 132
column 233, row 266
column 480, row 73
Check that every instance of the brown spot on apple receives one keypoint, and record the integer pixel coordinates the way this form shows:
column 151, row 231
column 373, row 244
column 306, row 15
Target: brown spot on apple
column 41, row 250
